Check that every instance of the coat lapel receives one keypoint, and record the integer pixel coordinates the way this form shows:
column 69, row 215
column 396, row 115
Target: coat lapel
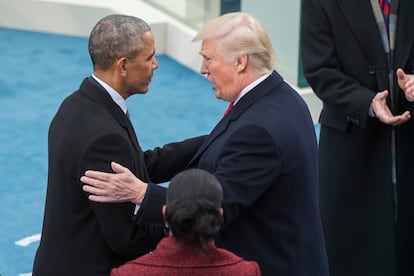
column 360, row 17
column 264, row 88
column 94, row 90
column 216, row 132
column 405, row 34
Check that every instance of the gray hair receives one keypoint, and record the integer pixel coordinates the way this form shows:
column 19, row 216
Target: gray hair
column 116, row 36
column 238, row 34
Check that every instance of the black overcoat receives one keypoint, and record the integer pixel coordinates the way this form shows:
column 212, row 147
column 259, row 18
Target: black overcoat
column 345, row 63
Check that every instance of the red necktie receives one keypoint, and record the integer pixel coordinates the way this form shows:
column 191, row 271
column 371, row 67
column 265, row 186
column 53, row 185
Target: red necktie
column 385, row 7
column 228, row 108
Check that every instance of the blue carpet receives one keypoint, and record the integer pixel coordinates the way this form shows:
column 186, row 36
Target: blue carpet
column 37, row 72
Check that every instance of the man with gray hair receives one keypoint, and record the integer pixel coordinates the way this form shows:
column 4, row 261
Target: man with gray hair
column 91, row 129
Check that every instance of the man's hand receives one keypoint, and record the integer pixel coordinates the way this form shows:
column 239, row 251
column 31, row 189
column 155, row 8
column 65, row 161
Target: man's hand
column 121, row 186
column 406, row 83
column 383, row 113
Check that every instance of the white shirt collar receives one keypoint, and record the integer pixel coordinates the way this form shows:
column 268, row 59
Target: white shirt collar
column 116, row 97
column 248, row 88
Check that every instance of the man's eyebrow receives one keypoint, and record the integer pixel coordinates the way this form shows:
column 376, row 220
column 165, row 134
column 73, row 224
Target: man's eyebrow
column 204, row 54
column 151, row 55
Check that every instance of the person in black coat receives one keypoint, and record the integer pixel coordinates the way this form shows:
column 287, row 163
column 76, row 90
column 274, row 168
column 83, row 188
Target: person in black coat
column 363, row 75
column 91, row 129
column 263, row 152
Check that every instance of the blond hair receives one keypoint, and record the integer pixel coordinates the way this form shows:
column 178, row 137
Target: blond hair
column 239, row 33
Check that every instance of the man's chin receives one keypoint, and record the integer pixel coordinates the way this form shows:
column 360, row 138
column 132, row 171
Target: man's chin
column 142, row 91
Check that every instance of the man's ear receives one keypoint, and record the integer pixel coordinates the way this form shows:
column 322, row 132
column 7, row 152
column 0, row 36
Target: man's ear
column 241, row 63
column 164, row 210
column 122, row 66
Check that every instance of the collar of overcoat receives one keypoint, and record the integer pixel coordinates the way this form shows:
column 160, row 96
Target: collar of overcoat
column 92, row 89
column 269, row 85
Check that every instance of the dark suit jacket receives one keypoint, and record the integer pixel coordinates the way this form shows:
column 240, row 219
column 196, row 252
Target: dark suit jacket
column 80, row 237
column 264, row 153
column 345, row 63
column 172, row 258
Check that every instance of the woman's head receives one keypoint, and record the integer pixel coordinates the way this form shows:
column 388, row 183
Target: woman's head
column 193, row 210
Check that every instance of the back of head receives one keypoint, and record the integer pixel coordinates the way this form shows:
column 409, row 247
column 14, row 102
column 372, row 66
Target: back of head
column 116, row 36
column 239, row 33
column 193, row 202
